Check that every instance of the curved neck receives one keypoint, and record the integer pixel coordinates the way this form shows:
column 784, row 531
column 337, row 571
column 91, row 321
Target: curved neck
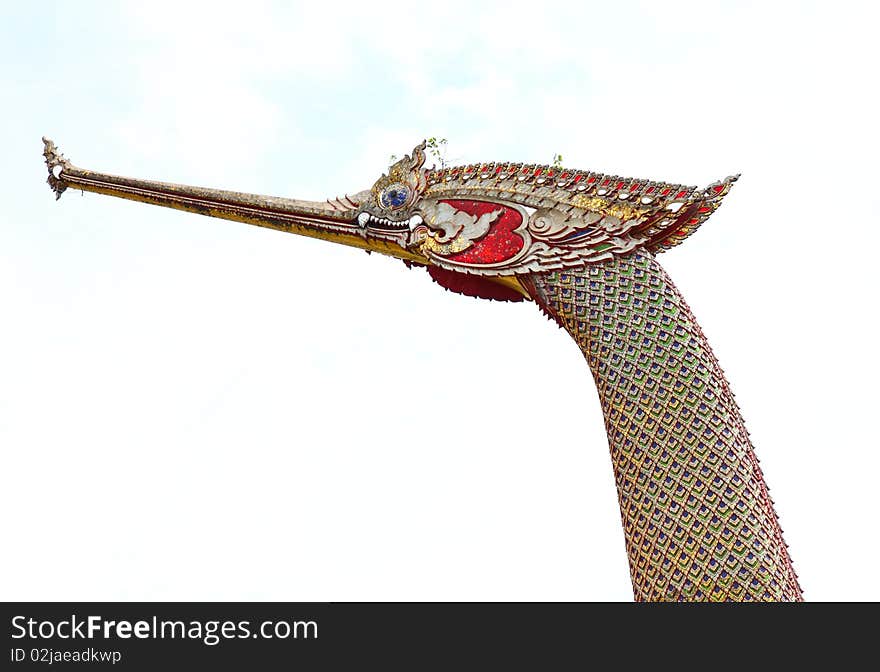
column 698, row 522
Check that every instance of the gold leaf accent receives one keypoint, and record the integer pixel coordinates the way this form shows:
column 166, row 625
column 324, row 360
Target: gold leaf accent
column 623, row 211
column 431, row 244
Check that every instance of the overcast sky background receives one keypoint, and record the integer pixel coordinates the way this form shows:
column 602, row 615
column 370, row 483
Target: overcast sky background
column 194, row 409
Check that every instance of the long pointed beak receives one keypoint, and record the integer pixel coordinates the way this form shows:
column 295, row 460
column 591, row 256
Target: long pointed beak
column 335, row 220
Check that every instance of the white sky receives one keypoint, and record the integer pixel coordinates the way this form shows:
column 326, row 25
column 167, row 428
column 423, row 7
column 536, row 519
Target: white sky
column 193, row 409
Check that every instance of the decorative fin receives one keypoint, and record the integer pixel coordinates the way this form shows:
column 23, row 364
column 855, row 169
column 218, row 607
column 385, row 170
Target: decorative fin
column 692, row 215
column 473, row 285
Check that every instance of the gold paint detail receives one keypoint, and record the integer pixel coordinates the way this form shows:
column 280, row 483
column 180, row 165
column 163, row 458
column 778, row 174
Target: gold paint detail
column 456, row 245
column 622, row 211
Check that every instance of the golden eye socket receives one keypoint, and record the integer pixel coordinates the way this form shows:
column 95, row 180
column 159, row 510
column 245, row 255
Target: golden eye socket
column 394, row 196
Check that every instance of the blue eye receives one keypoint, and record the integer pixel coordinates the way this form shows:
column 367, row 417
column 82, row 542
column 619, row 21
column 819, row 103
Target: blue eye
column 394, row 196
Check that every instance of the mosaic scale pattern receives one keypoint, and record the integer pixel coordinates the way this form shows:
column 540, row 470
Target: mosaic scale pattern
column 698, row 522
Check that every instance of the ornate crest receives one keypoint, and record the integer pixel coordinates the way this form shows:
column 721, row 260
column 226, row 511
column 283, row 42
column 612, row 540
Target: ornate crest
column 394, row 195
column 499, row 220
